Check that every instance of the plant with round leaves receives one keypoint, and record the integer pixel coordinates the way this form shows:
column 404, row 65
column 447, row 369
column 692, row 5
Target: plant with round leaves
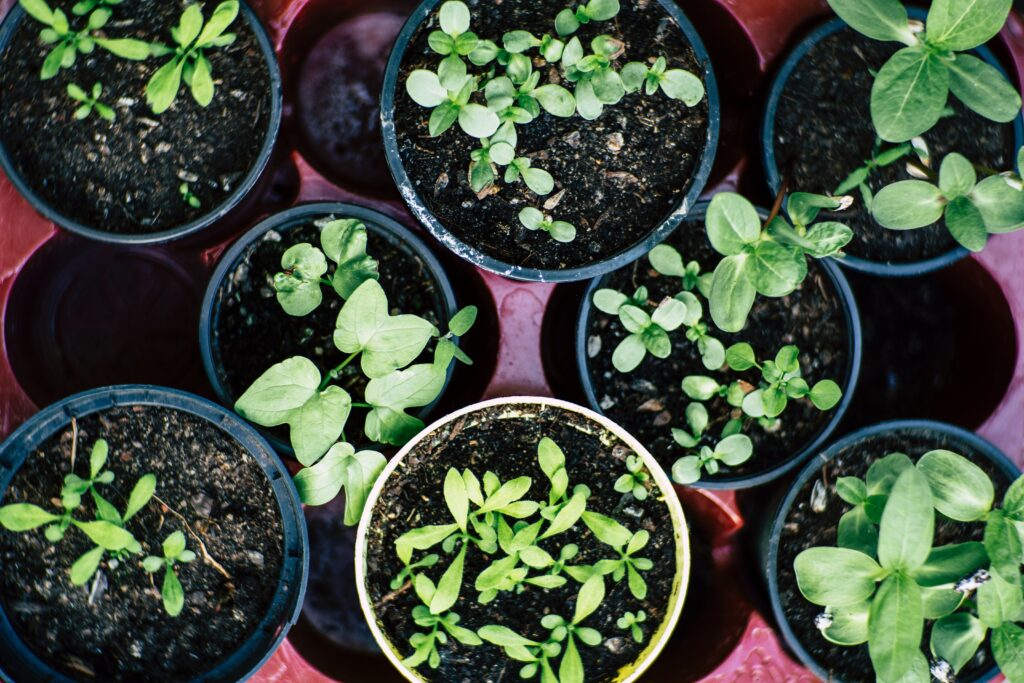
column 90, row 102
column 497, row 150
column 631, row 622
column 188, row 196
column 84, row 7
column 910, row 91
column 451, row 105
column 68, row 43
column 667, row 260
column 634, row 481
column 885, row 580
column 679, row 84
column 454, row 41
column 502, row 95
column 597, row 83
column 972, row 209
column 534, row 219
column 648, row 332
column 781, row 380
column 538, row 180
column 569, row 20
column 772, row 261
column 193, row 37
column 733, row 450
column 175, row 552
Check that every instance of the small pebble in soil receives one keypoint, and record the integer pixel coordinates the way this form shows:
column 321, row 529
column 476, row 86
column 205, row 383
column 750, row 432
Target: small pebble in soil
column 819, row 497
column 942, row 671
column 973, row 582
column 823, row 621
column 593, row 346
column 615, row 645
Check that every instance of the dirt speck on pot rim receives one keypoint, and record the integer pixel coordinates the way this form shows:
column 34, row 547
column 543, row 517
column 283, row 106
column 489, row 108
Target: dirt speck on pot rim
column 503, row 439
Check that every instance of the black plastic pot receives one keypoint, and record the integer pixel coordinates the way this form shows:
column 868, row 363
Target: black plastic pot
column 19, row 664
column 394, row 232
column 968, row 442
column 474, row 255
column 771, row 168
column 849, row 383
column 53, row 213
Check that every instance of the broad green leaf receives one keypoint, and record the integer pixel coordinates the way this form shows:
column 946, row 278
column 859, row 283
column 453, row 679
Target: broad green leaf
column 1008, row 650
column 174, row 544
column 856, row 532
column 478, row 121
column 24, row 517
column 670, row 314
column 852, row 490
column 908, row 204
column 570, row 669
column 85, row 566
column 397, row 391
column 341, row 467
column 999, row 601
column 825, row 394
column 884, row 472
column 607, row 530
column 667, row 260
column 387, row 342
column 141, row 494
column 732, row 223
column 556, row 100
column 732, row 294
column 589, row 598
column 602, row 10
column 424, row 87
column 448, row 587
column 1001, row 206
column 172, row 593
column 940, row 601
column 877, row 19
column 836, row 577
column 734, row 450
column 686, row 470
column 629, row 353
column 960, row 489
column 422, row 538
column 163, row 86
column 699, row 387
column 202, row 82
column 909, row 94
column 908, row 523
column 774, row 269
column 849, row 625
column 105, row 534
column 456, row 498
column 190, row 25
column 218, row 22
column 451, row 73
column 950, row 563
column 344, row 242
column 680, row 84
column 609, row 301
column 1013, row 502
column 895, row 626
column 740, row 356
column 567, row 516
column 38, row 10
column 454, row 17
column 983, row 88
column 955, row 638
column 317, row 424
column 1003, row 545
column 966, row 224
column 53, row 61
column 965, row 24
column 956, row 176
column 126, row 48
column 827, row 238
column 298, row 287
column 509, row 492
column 538, row 180
column 278, row 392
column 503, row 636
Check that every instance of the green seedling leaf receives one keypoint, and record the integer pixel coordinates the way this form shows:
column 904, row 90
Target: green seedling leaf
column 960, row 489
column 908, row 523
column 895, row 626
column 24, row 517
column 836, row 577
column 909, row 94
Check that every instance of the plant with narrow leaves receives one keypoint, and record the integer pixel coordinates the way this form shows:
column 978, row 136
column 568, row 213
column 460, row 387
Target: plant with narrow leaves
column 441, row 626
column 910, row 91
column 569, row 20
column 885, row 580
column 635, row 480
column 534, row 219
column 881, row 157
column 84, row 7
column 972, row 209
column 193, row 37
column 188, row 196
column 175, row 552
column 89, row 102
column 679, row 84
column 631, row 622
column 68, row 43
column 770, row 261
column 627, row 544
column 781, row 381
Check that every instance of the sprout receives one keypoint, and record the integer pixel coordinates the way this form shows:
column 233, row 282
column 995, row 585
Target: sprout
column 533, row 219
column 678, row 84
column 90, row 102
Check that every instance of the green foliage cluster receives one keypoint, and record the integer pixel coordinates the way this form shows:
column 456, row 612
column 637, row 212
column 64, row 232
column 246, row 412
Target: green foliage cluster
column 762, row 401
column 885, row 579
column 316, row 408
column 505, row 90
column 108, row 530
column 90, row 102
column 497, row 519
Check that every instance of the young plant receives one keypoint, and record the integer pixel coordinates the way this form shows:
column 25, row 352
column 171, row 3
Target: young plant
column 631, row 622
column 678, row 84
column 910, row 91
column 634, row 481
column 781, row 380
column 193, row 38
column 648, row 332
column 188, row 196
column 568, row 20
column 69, row 43
column 454, row 41
column 497, row 150
column 732, row 450
column 627, row 544
column 597, row 82
column 90, row 102
column 770, row 261
column 534, row 219
column 85, row 6
column 174, row 553
column 451, row 105
column 972, row 209
column 880, row 158
column 885, row 579
column 538, row 180
column 503, row 94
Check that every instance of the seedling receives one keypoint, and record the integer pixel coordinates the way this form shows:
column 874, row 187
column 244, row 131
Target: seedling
column 534, row 219
column 732, row 450
column 85, row 6
column 973, row 209
column 769, row 261
column 880, row 158
column 174, row 553
column 597, row 82
column 568, row 20
column 538, row 180
column 453, row 41
column 189, row 197
column 626, row 544
column 781, row 380
column 678, row 84
column 69, row 43
column 90, row 102
column 634, row 481
column 451, row 105
column 886, row 580
column 497, row 150
column 631, row 622
column 648, row 332
column 193, row 38
column 910, row 91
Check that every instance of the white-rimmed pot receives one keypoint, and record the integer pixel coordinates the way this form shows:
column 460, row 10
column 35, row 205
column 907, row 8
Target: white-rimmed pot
column 518, row 407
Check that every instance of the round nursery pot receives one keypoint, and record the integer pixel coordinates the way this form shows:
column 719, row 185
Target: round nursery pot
column 141, row 177
column 216, row 480
column 624, row 181
column 808, row 516
column 820, row 318
column 502, row 437
column 243, row 330
column 817, row 130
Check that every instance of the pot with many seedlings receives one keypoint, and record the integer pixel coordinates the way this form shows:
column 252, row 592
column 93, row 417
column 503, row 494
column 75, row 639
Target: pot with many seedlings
column 547, row 142
column 503, row 539
column 136, row 123
column 896, row 556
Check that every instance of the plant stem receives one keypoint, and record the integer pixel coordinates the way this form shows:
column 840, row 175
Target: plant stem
column 333, row 374
column 362, row 405
column 777, row 205
column 202, row 546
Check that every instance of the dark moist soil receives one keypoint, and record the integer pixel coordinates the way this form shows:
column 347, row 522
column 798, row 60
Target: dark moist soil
column 805, row 529
column 499, row 441
column 124, row 634
column 649, row 401
column 823, row 132
column 124, row 177
column 621, row 174
column 252, row 332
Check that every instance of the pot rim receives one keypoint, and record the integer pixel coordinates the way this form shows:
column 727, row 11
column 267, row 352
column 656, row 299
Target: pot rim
column 854, row 337
column 980, row 445
column 627, row 674
column 10, row 24
column 284, row 609
column 778, row 86
column 390, row 228
column 655, row 235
